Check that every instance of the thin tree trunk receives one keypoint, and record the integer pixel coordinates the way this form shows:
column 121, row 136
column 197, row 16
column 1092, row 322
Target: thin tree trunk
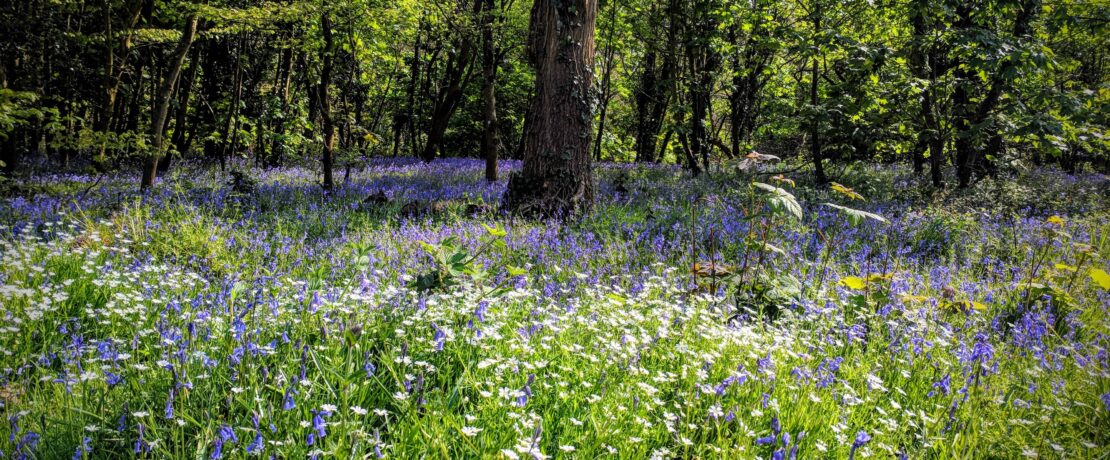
column 233, row 109
column 113, row 73
column 489, row 91
column 185, row 89
column 657, row 84
column 606, row 77
column 285, row 72
column 456, row 76
column 815, row 123
column 414, row 84
column 325, row 105
column 972, row 115
column 162, row 103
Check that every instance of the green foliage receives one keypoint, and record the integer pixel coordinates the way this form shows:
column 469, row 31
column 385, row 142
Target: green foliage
column 781, row 201
column 855, row 216
column 18, row 108
column 941, row 234
column 454, row 266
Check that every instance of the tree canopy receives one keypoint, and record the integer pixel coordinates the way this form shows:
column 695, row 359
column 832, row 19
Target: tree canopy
column 962, row 89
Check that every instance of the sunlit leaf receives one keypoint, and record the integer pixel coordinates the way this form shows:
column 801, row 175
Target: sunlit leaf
column 781, row 200
column 963, row 306
column 914, row 298
column 495, row 231
column 853, row 282
column 855, row 216
column 783, row 180
column 1101, row 277
column 711, row 269
column 846, row 191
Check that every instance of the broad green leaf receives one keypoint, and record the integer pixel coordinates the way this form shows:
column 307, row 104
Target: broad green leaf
column 1101, row 277
column 495, row 231
column 855, row 216
column 773, row 248
column 846, row 191
column 965, row 306
column 781, row 200
column 853, row 282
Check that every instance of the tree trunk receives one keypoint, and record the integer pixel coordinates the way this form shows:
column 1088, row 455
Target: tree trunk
column 606, row 78
column 455, row 78
column 414, row 85
column 921, row 62
column 113, row 73
column 970, row 116
column 284, row 81
column 655, row 89
column 162, row 103
column 749, row 61
column 185, row 89
column 815, row 123
column 702, row 63
column 489, row 92
column 325, row 105
column 557, row 176
column 645, row 104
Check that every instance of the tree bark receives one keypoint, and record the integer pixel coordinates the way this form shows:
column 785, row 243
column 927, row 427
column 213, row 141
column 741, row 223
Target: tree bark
column 184, row 90
column 656, row 86
column 162, row 103
column 557, row 175
column 113, row 73
column 327, row 55
column 606, row 78
column 489, row 92
column 284, row 81
column 749, row 61
column 456, row 76
column 972, row 116
column 227, row 142
column 702, row 63
column 815, row 123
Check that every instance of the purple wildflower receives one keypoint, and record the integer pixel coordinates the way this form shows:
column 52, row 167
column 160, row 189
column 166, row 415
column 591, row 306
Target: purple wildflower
column 862, row 438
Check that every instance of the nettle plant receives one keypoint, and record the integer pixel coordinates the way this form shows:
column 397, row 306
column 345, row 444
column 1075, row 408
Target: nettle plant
column 454, row 266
